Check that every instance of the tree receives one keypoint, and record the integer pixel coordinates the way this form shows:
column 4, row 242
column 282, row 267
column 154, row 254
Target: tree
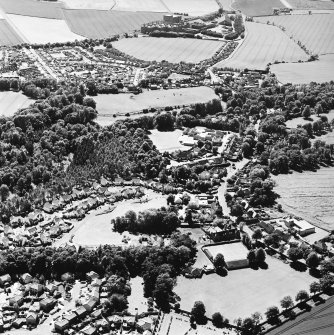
column 326, row 282
column 260, row 255
column 295, row 254
column 312, row 260
column 219, row 261
column 251, row 257
column 217, row 320
column 272, row 314
column 164, row 121
column 198, row 311
column 287, row 302
column 4, row 192
column 257, row 235
column 306, row 112
column 302, row 296
column 315, row 287
column 163, row 290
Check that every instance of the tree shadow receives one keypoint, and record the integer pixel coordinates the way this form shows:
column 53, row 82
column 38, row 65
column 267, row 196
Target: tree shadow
column 263, row 266
column 315, row 273
column 300, row 267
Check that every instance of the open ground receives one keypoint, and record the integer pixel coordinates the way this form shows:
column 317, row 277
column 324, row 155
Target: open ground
column 192, row 7
column 315, row 31
column 89, row 4
column 107, row 105
column 257, row 7
column 244, row 291
column 311, row 4
column 10, row 102
column 173, row 50
column 8, row 36
column 263, row 44
column 140, row 5
column 167, row 140
column 230, row 251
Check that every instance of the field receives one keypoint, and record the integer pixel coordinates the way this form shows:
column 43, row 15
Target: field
column 244, row 291
column 264, row 44
column 311, row 4
column 173, row 50
column 103, row 24
column 257, row 7
column 7, row 35
column 89, row 4
column 192, row 7
column 230, row 251
column 309, row 194
column 41, row 30
column 44, row 9
column 140, row 5
column 10, row 102
column 319, row 71
column 167, row 140
column 110, row 104
column 315, row 31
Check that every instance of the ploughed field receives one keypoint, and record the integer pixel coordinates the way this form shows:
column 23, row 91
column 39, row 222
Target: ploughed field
column 192, row 7
column 10, row 102
column 315, row 31
column 173, row 50
column 8, row 36
column 263, row 44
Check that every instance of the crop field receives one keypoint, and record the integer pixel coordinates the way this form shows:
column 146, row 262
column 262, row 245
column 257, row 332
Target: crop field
column 311, row 4
column 173, row 50
column 192, row 7
column 320, row 71
column 102, row 24
column 41, row 30
column 45, row 9
column 257, row 7
column 264, row 44
column 89, row 4
column 140, row 5
column 7, row 35
column 316, row 31
column 10, row 102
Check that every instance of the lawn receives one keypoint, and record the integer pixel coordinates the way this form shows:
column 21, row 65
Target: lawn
column 303, row 73
column 167, row 140
column 109, row 104
column 230, row 251
column 46, row 9
column 89, row 4
column 315, row 31
column 10, row 102
column 173, row 50
column 243, row 292
column 41, row 30
column 8, row 36
column 192, row 7
column 257, row 7
column 264, row 44
column 140, row 5
column 137, row 301
column 103, row 24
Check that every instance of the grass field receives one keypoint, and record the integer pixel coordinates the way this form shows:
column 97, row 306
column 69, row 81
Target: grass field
column 244, row 291
column 140, row 5
column 89, row 4
column 311, row 4
column 173, row 50
column 167, row 140
column 257, row 7
column 230, row 251
column 264, row 44
column 102, row 24
column 41, row 30
column 110, row 104
column 7, row 35
column 10, row 102
column 50, row 10
column 316, row 31
column 192, row 7
column 319, row 71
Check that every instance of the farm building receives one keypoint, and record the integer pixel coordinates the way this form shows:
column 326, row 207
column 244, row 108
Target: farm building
column 172, row 18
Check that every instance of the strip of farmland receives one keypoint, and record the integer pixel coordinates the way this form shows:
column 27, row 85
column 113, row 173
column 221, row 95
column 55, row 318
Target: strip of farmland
column 316, row 31
column 8, row 36
column 103, row 24
column 140, row 6
column 43, row 9
column 173, row 50
column 192, row 7
column 257, row 7
column 264, row 44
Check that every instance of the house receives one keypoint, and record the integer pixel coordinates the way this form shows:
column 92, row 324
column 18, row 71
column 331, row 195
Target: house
column 5, row 280
column 61, row 325
column 96, row 282
column 26, row 278
column 70, row 317
column 18, row 323
column 51, row 288
column 16, row 299
column 129, row 321
column 89, row 331
column 92, row 275
column 80, row 312
column 115, row 320
column 36, row 289
column 90, row 304
column 48, row 208
column 68, row 277
column 302, row 226
column 47, row 304
column 145, row 324
column 102, row 323
column 31, row 319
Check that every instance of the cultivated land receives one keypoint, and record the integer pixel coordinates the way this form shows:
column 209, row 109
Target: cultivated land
column 231, row 251
column 41, row 30
column 173, row 50
column 315, row 31
column 244, row 291
column 264, row 44
column 107, row 105
column 257, row 7
column 10, row 102
column 8, row 36
column 140, row 5
column 192, row 7
column 311, row 4
column 302, row 73
column 103, row 24
column 50, row 10
column 89, row 4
